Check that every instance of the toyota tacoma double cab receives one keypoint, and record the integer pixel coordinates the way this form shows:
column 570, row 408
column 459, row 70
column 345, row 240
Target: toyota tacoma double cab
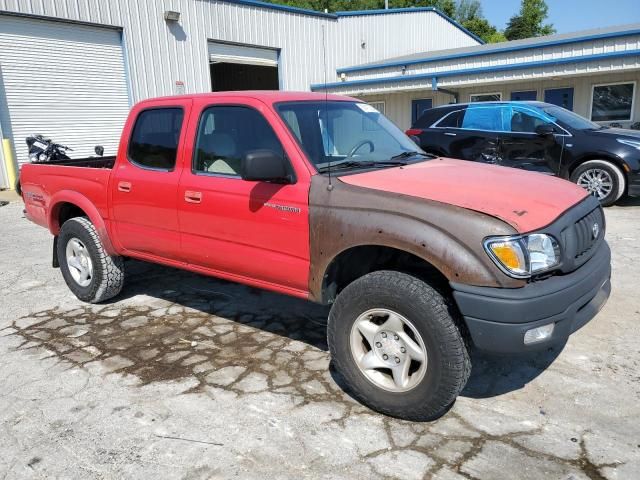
column 321, row 197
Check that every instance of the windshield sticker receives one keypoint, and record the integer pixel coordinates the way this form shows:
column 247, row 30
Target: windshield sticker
column 365, row 107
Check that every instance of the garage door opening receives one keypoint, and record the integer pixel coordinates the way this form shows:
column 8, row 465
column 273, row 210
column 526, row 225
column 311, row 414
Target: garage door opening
column 243, row 67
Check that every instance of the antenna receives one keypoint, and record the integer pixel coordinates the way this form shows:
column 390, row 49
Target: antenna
column 326, row 105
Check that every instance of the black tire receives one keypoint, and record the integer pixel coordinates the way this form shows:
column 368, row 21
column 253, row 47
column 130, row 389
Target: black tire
column 448, row 365
column 615, row 173
column 108, row 271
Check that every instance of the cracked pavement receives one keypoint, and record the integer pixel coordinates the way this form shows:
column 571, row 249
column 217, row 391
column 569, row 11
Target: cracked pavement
column 183, row 376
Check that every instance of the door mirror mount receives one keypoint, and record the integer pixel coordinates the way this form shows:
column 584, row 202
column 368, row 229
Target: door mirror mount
column 265, row 166
column 545, row 130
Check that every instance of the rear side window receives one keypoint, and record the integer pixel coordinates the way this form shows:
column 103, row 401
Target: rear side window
column 452, row 120
column 154, row 141
column 493, row 119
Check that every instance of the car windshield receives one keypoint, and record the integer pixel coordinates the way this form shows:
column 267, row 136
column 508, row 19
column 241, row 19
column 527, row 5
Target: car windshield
column 570, row 119
column 347, row 135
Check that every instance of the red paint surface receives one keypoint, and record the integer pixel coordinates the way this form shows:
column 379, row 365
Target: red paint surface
column 526, row 200
column 233, row 230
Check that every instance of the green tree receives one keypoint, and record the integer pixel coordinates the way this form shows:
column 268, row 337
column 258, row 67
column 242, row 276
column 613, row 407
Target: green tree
column 529, row 22
column 469, row 15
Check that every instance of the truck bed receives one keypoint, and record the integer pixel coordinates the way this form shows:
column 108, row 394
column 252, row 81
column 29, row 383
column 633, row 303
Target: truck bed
column 88, row 162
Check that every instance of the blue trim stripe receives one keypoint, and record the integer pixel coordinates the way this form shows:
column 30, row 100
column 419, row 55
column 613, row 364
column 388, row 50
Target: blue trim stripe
column 489, row 51
column 471, row 71
column 335, row 16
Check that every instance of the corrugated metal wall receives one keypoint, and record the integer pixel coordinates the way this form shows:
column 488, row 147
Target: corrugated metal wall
column 160, row 53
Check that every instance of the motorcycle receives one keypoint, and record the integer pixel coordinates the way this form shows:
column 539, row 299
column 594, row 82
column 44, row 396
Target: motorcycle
column 43, row 150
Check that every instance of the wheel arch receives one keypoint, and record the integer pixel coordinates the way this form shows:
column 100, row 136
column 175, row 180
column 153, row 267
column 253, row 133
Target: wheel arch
column 67, row 204
column 606, row 157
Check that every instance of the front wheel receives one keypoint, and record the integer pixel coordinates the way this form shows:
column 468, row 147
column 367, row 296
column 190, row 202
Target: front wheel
column 602, row 179
column 89, row 271
column 398, row 347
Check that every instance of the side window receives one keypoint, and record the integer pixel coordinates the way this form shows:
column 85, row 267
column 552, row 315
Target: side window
column 452, row 120
column 226, row 134
column 493, row 119
column 526, row 121
column 154, row 140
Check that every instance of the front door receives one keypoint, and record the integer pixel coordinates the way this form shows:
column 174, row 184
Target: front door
column 521, row 147
column 418, row 107
column 477, row 137
column 143, row 186
column 245, row 229
column 563, row 97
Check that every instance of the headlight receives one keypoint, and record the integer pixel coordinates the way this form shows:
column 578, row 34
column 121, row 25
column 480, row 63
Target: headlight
column 523, row 256
column 631, row 143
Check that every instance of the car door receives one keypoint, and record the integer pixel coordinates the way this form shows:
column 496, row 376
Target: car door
column 521, row 147
column 144, row 183
column 477, row 137
column 244, row 229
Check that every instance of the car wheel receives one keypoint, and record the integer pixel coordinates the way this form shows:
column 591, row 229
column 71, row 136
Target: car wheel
column 394, row 340
column 90, row 272
column 602, row 179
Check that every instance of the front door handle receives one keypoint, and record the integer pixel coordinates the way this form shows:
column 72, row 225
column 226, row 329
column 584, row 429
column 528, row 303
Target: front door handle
column 124, row 186
column 450, row 134
column 192, row 197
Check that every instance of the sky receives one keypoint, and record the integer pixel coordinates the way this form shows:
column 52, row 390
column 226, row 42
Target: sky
column 570, row 15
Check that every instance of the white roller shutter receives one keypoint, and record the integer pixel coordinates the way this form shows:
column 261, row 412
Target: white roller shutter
column 64, row 81
column 249, row 55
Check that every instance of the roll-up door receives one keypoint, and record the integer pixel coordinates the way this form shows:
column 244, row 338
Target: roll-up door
column 243, row 67
column 62, row 80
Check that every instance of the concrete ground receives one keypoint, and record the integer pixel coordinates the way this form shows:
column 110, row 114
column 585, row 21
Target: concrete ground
column 183, row 376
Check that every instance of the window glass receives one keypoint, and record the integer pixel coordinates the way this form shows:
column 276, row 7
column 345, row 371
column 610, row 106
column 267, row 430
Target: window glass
column 333, row 131
column 154, row 141
column 453, row 120
column 494, row 119
column 612, row 102
column 486, row 97
column 526, row 120
column 226, row 134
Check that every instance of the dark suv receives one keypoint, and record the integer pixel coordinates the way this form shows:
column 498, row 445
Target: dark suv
column 536, row 136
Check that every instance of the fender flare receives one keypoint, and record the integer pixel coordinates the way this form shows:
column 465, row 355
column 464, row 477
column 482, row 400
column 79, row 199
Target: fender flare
column 87, row 206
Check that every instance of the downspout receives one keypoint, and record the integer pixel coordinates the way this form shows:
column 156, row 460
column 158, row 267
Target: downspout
column 453, row 93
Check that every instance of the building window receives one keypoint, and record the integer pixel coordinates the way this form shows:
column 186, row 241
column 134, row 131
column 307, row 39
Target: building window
column 378, row 106
column 485, row 97
column 612, row 102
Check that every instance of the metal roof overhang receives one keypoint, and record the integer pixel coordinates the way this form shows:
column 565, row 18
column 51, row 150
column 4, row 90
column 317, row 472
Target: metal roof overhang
column 433, row 76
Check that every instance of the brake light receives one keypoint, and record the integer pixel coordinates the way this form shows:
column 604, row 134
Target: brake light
column 413, row 132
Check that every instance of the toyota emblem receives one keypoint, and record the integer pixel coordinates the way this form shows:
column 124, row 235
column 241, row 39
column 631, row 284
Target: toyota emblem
column 595, row 230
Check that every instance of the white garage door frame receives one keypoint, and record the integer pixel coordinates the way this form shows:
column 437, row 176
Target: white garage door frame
column 92, row 96
column 229, row 52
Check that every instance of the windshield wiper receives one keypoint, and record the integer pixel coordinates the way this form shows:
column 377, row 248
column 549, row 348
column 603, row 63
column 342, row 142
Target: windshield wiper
column 344, row 165
column 410, row 153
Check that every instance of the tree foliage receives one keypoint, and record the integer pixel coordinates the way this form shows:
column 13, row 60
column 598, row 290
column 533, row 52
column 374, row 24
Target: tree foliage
column 529, row 22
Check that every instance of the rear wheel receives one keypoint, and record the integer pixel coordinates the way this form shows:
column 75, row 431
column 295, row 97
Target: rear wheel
column 602, row 179
column 89, row 271
column 395, row 342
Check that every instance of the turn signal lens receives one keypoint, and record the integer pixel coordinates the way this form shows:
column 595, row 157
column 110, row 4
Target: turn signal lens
column 509, row 253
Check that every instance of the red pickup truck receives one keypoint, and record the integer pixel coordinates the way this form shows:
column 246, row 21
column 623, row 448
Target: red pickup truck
column 323, row 198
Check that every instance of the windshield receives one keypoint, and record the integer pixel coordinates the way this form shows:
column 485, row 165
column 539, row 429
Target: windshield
column 349, row 134
column 572, row 120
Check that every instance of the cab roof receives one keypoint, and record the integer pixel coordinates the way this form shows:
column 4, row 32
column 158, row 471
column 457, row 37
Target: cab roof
column 267, row 96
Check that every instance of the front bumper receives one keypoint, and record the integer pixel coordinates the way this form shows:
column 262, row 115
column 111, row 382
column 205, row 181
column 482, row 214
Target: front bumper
column 497, row 318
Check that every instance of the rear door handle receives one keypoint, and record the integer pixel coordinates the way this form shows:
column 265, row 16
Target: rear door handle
column 450, row 134
column 124, row 186
column 192, row 197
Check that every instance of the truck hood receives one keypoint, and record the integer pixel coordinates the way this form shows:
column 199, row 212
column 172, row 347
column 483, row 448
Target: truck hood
column 526, row 200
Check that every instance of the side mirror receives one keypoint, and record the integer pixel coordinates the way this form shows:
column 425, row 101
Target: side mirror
column 545, row 130
column 99, row 150
column 264, row 166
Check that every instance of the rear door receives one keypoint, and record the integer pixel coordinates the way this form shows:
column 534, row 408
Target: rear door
column 144, row 183
column 244, row 229
column 521, row 147
column 477, row 136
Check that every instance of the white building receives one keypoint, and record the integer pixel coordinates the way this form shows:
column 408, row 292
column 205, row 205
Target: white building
column 71, row 69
